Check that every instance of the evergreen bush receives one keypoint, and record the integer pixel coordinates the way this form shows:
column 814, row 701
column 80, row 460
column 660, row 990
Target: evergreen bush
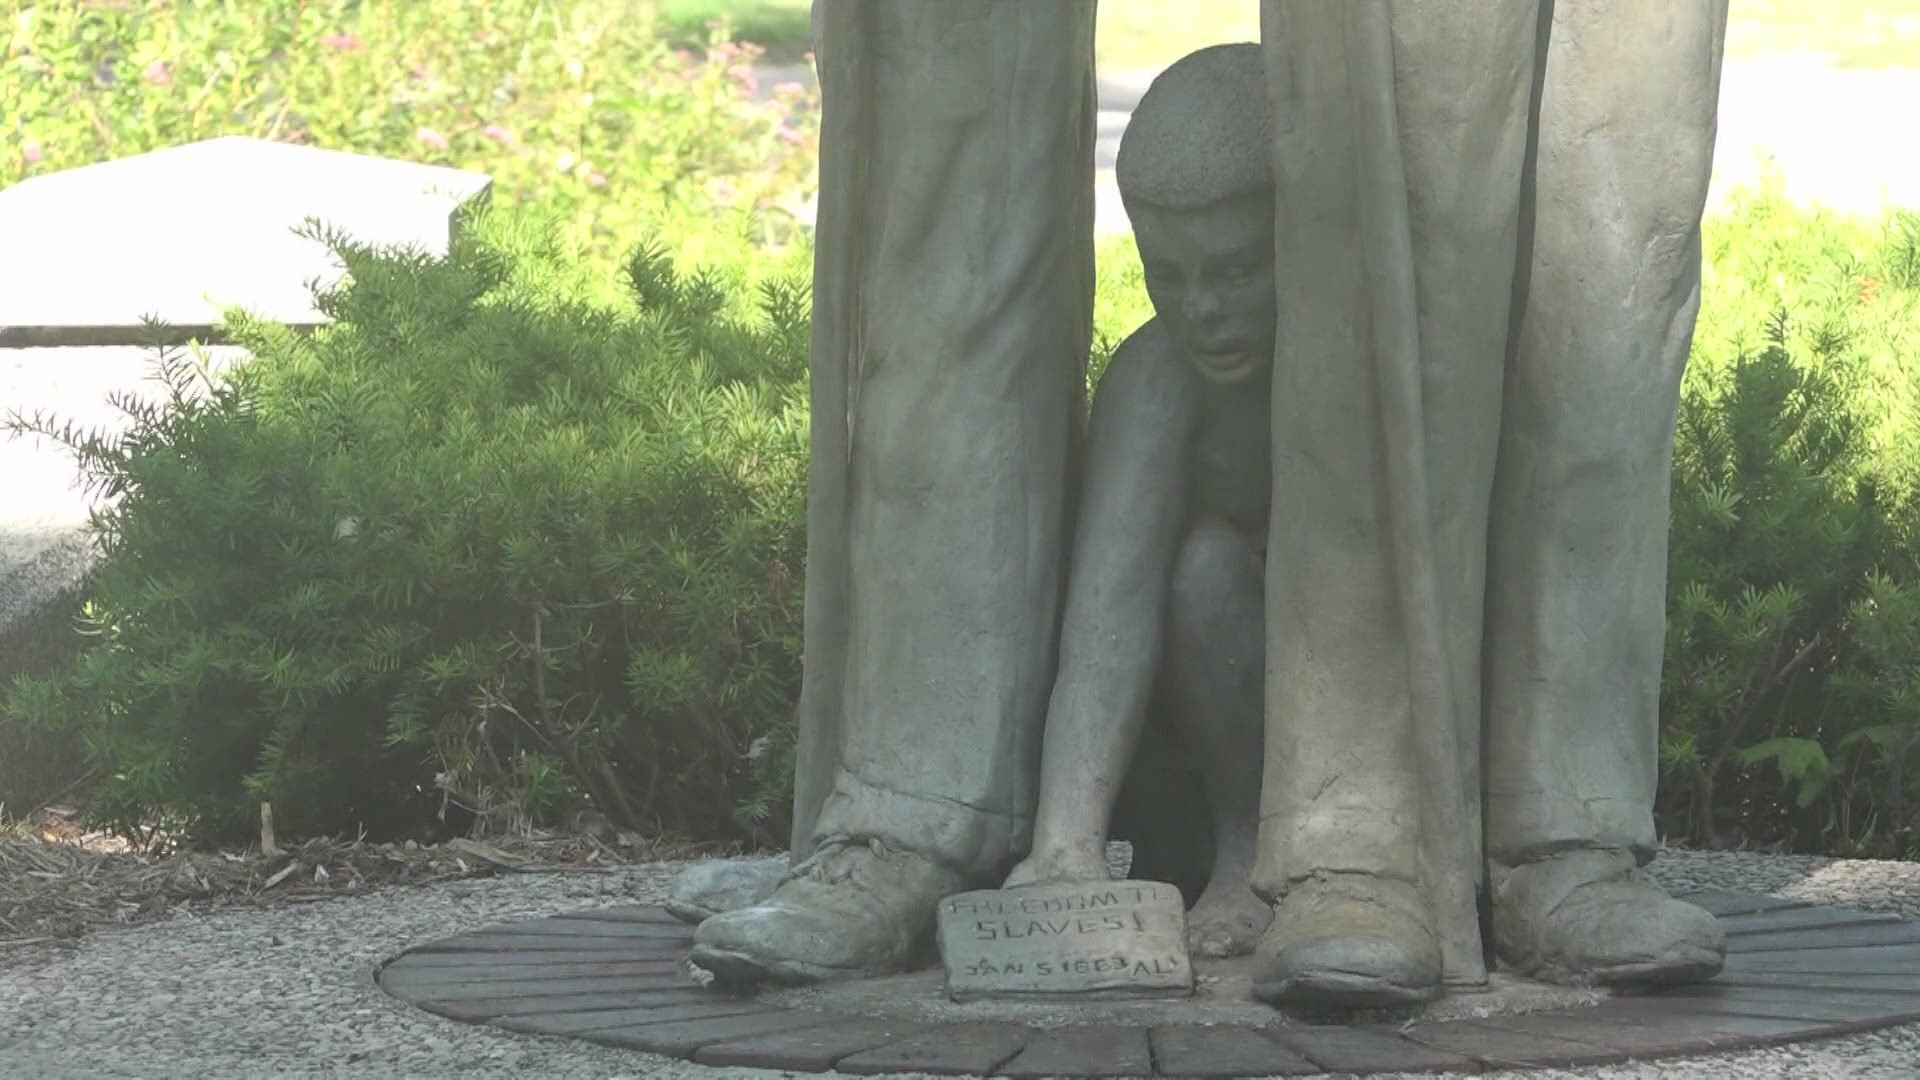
column 480, row 547
column 1791, row 703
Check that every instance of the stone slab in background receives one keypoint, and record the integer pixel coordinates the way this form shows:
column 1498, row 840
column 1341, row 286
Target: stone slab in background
column 183, row 233
column 1082, row 939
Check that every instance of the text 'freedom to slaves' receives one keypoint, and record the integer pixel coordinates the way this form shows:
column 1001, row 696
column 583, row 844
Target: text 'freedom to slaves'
column 1090, row 939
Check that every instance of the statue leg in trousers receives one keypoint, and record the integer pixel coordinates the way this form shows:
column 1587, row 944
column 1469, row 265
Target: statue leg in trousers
column 953, row 313
column 1576, row 603
column 1474, row 401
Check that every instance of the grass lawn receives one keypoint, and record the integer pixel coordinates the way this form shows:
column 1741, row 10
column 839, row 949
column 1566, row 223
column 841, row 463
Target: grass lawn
column 1152, row 33
column 1132, row 33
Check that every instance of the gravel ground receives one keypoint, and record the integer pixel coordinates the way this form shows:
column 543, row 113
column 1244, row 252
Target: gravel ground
column 288, row 991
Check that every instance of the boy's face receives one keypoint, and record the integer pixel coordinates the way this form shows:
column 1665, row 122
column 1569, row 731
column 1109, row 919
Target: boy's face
column 1210, row 275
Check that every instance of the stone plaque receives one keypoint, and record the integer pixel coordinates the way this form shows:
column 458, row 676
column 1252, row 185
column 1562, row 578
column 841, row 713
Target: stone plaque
column 1093, row 939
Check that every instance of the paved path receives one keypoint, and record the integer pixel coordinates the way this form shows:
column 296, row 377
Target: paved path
column 1842, row 138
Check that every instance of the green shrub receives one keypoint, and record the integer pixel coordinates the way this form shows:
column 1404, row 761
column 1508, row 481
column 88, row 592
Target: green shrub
column 39, row 766
column 1789, row 709
column 583, row 107
column 1120, row 303
column 480, row 542
column 1774, row 522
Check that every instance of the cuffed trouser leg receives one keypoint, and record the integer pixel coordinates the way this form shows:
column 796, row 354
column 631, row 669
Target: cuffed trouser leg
column 1401, row 137
column 953, row 318
column 1577, row 600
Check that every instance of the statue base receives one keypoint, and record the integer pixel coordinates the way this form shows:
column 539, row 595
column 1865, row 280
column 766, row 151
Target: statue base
column 619, row 977
column 1221, row 997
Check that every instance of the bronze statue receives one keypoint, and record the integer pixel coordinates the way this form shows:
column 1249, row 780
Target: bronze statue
column 1483, row 243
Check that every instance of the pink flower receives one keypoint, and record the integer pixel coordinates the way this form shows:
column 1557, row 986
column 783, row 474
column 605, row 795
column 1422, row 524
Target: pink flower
column 498, row 133
column 343, row 42
column 744, row 78
column 431, row 138
column 31, row 151
column 158, row 73
column 597, row 179
column 790, row 136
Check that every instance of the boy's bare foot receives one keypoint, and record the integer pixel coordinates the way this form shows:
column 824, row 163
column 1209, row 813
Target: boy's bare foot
column 1051, row 865
column 1228, row 920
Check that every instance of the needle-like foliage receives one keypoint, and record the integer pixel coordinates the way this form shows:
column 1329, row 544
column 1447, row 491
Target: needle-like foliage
column 480, row 547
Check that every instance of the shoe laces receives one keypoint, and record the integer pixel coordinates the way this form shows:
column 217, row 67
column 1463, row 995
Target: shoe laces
column 839, row 860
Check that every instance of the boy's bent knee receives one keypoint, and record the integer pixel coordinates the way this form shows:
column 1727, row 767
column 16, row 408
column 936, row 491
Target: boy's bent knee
column 1217, row 565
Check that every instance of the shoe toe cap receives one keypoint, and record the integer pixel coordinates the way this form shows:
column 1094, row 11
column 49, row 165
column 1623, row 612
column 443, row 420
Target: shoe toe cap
column 1631, row 933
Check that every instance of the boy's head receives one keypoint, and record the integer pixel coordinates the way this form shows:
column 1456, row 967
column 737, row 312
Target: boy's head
column 1195, row 172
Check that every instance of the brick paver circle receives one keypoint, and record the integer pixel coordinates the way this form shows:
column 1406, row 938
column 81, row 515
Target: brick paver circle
column 618, row 976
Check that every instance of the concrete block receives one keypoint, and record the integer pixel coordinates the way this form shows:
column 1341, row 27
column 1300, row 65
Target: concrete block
column 183, row 233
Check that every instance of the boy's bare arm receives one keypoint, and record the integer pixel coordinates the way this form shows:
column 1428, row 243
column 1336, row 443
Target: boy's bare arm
column 1131, row 513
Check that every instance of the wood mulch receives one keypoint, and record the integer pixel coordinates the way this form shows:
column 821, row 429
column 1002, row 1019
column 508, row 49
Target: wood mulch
column 59, row 882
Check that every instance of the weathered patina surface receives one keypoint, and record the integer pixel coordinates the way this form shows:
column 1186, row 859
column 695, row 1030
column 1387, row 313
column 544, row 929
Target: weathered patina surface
column 1091, row 939
column 1481, row 268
